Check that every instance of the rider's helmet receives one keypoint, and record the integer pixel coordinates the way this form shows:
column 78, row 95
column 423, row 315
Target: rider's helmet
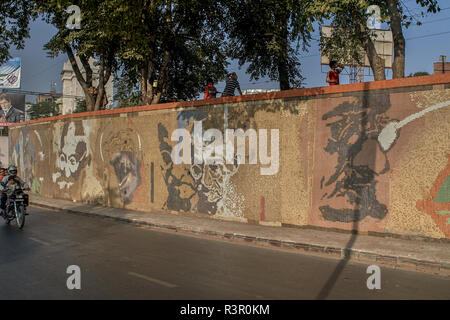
column 12, row 170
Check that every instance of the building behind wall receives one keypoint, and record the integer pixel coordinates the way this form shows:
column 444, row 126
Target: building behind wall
column 52, row 96
column 440, row 68
column 72, row 91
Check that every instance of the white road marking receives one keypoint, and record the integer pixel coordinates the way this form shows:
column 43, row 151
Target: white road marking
column 160, row 282
column 39, row 241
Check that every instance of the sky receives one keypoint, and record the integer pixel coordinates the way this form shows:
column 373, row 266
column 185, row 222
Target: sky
column 424, row 45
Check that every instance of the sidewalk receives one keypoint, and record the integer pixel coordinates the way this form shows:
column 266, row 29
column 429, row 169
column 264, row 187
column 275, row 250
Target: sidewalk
column 425, row 256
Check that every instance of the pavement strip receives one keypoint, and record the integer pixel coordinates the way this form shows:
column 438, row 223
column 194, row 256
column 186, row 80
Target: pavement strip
column 160, row 282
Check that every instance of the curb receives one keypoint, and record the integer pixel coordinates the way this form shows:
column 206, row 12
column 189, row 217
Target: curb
column 398, row 262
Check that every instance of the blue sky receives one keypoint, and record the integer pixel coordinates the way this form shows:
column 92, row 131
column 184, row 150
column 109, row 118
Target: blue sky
column 424, row 45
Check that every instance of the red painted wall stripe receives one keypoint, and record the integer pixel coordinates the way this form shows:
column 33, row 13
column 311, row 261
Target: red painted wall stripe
column 263, row 209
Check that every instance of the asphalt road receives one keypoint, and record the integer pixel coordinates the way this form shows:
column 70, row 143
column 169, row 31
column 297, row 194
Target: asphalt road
column 123, row 261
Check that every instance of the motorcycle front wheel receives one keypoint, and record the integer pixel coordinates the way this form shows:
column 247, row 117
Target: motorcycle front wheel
column 20, row 216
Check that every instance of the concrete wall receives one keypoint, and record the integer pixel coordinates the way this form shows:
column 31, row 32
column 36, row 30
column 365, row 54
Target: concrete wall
column 338, row 168
column 4, row 157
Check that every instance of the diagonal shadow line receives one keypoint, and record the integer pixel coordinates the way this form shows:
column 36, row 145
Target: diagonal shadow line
column 331, row 282
column 325, row 291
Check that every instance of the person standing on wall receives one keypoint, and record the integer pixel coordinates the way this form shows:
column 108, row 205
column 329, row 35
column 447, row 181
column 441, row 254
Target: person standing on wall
column 231, row 85
column 210, row 90
column 333, row 74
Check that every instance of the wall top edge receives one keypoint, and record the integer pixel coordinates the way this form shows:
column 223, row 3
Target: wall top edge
column 296, row 93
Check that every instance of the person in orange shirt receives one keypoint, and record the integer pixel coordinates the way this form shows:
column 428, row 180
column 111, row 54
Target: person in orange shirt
column 333, row 74
column 210, row 90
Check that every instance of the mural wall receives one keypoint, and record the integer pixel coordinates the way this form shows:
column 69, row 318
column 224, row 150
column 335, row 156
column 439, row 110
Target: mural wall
column 369, row 160
column 4, row 157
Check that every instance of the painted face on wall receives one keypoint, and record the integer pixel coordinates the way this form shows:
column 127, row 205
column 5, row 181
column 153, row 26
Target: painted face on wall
column 128, row 175
column 354, row 129
column 73, row 153
column 121, row 151
column 180, row 186
column 216, row 194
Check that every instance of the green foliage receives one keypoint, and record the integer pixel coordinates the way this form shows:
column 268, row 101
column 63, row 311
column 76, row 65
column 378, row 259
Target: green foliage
column 418, row 74
column 133, row 100
column 44, row 109
column 430, row 6
column 127, row 93
column 267, row 34
column 177, row 44
column 95, row 40
column 351, row 38
column 349, row 34
column 15, row 16
column 80, row 106
column 92, row 39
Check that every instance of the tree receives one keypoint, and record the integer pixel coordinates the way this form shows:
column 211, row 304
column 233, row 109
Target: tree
column 127, row 92
column 44, row 109
column 80, row 106
column 169, row 47
column 418, row 74
column 398, row 20
column 267, row 34
column 350, row 33
column 350, row 36
column 94, row 41
column 15, row 16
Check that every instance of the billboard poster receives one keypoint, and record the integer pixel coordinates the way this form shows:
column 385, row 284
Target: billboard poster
column 18, row 105
column 10, row 74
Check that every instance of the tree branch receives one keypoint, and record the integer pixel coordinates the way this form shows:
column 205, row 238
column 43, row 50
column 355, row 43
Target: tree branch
column 76, row 69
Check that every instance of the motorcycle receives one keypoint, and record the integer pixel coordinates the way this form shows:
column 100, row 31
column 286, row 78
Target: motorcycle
column 16, row 206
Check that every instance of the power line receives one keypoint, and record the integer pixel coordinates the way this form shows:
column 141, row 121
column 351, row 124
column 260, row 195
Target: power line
column 438, row 20
column 432, row 21
column 429, row 35
column 34, row 93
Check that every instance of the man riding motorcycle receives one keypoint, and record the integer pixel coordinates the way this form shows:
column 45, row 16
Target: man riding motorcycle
column 8, row 184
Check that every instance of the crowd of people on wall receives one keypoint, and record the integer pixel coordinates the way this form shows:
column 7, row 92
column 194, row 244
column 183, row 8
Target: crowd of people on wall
column 231, row 82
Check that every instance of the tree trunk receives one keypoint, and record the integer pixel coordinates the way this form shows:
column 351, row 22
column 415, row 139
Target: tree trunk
column 162, row 82
column 376, row 63
column 87, row 67
column 398, row 66
column 146, row 83
column 90, row 102
column 283, row 76
column 282, row 65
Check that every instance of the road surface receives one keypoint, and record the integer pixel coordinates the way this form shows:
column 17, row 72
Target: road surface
column 123, row 261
